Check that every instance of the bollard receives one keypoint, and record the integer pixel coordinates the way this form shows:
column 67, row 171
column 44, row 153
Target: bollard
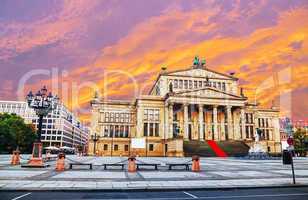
column 15, row 158
column 132, row 164
column 195, row 163
column 60, row 165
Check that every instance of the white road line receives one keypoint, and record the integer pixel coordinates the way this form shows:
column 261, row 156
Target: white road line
column 19, row 197
column 251, row 196
column 217, row 197
column 191, row 195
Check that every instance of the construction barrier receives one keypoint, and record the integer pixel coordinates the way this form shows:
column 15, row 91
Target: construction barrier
column 195, row 164
column 132, row 164
column 60, row 165
column 15, row 158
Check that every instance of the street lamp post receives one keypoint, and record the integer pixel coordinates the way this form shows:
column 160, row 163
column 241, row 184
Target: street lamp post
column 95, row 138
column 42, row 105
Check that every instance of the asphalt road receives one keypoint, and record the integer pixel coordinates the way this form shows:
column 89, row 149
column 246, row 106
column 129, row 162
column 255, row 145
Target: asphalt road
column 300, row 193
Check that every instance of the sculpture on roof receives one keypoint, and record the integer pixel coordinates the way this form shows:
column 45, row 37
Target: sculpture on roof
column 197, row 63
column 196, row 60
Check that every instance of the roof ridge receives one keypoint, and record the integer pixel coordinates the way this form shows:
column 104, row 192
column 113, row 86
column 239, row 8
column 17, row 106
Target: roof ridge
column 205, row 69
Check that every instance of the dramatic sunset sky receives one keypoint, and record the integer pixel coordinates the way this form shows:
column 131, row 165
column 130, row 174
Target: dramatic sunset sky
column 264, row 42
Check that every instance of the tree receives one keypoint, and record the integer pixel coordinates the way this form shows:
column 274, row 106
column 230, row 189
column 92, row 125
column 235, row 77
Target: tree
column 15, row 133
column 300, row 141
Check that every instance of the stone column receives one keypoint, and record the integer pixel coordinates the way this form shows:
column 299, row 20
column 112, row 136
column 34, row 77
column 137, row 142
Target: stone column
column 230, row 122
column 185, row 121
column 215, row 122
column 139, row 121
column 205, row 124
column 236, row 124
column 170, row 135
column 201, row 130
column 222, row 126
column 243, row 123
column 166, row 125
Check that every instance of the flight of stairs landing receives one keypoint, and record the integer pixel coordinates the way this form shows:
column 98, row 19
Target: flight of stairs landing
column 211, row 148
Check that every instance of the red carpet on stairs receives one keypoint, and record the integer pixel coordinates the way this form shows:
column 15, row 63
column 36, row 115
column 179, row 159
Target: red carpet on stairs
column 218, row 151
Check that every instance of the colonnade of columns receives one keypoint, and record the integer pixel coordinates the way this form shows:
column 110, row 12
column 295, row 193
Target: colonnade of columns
column 208, row 127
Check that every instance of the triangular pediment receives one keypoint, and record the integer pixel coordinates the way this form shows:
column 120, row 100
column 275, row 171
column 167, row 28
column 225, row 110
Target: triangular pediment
column 200, row 72
column 208, row 93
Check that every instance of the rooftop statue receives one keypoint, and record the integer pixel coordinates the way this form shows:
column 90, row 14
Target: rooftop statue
column 196, row 60
column 203, row 62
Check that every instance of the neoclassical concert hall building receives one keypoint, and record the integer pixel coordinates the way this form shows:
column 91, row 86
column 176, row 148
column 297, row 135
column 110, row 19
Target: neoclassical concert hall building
column 193, row 104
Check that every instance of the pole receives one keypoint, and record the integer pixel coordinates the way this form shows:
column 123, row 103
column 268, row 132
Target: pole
column 94, row 147
column 73, row 135
column 146, row 146
column 39, row 130
column 293, row 174
column 111, row 144
column 130, row 142
column 94, row 140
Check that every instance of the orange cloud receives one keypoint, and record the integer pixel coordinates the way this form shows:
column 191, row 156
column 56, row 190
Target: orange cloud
column 167, row 40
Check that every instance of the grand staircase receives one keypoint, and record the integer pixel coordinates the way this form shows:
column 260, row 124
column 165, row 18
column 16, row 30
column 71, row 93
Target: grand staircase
column 211, row 148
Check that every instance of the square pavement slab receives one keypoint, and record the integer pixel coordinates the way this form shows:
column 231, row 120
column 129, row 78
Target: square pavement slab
column 19, row 173
column 90, row 175
column 244, row 174
column 289, row 172
column 172, row 175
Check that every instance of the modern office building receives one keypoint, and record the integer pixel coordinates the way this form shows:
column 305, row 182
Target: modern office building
column 60, row 128
column 193, row 104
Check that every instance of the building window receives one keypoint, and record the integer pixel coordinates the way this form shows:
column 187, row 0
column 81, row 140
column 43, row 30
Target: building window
column 176, row 84
column 121, row 131
column 151, row 129
column 145, row 114
column 224, row 86
column 156, row 129
column 181, row 84
column 111, row 131
column 190, row 84
column 185, row 84
column 116, row 147
column 219, row 85
column 126, row 131
column 126, row 147
column 251, row 132
column 200, row 84
column 195, row 84
column 247, row 131
column 105, row 147
column 214, row 84
column 151, row 147
column 145, row 129
column 156, row 115
column 116, row 131
column 106, row 132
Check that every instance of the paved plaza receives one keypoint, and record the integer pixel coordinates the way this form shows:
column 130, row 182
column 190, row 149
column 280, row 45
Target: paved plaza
column 215, row 173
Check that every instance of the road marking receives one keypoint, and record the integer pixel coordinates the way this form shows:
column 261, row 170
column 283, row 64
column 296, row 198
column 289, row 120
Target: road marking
column 19, row 197
column 251, row 196
column 191, row 195
column 220, row 197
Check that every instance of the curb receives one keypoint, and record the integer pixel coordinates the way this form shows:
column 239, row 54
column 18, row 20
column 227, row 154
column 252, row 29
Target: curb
column 144, row 189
